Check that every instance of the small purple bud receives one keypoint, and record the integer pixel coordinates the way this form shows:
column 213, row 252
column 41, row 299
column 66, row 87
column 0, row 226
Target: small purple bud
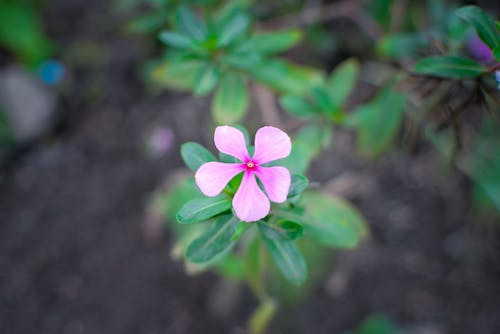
column 479, row 51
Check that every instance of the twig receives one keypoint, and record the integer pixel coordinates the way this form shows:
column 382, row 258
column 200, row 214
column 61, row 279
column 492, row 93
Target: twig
column 267, row 105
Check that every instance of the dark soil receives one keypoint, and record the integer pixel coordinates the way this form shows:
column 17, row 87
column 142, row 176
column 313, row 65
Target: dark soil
column 73, row 257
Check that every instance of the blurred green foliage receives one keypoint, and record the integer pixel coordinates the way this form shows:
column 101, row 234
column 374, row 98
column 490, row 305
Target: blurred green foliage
column 22, row 32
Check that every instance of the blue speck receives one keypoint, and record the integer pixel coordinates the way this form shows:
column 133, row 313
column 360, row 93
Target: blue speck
column 51, row 72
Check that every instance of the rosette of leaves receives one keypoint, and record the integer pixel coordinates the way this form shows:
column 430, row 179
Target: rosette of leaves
column 221, row 53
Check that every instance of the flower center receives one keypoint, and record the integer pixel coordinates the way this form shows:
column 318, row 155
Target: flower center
column 250, row 165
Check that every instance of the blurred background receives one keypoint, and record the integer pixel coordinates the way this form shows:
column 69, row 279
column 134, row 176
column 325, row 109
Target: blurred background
column 86, row 140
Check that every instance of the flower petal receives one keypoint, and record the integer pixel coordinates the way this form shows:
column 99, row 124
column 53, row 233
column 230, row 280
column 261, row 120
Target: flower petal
column 212, row 177
column 271, row 144
column 249, row 202
column 276, row 182
column 231, row 141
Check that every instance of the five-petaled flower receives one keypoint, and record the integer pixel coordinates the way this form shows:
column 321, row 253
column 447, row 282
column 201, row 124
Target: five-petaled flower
column 249, row 202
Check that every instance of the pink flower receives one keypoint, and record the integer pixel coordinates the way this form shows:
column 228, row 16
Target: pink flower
column 249, row 202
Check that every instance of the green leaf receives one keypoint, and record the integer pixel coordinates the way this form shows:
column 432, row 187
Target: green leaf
column 449, row 67
column 215, row 241
column 496, row 53
column 306, row 145
column 201, row 209
column 332, row 221
column 21, row 32
column 401, row 45
column 482, row 23
column 195, row 155
column 231, row 99
column 315, row 138
column 378, row 122
column 190, row 24
column 298, row 184
column 285, row 77
column 281, row 229
column 231, row 266
column 207, row 79
column 288, row 259
column 243, row 61
column 381, row 11
column 175, row 40
column 322, row 100
column 233, row 29
column 342, row 81
column 298, row 106
column 262, row 316
column 180, row 75
column 378, row 324
column 271, row 42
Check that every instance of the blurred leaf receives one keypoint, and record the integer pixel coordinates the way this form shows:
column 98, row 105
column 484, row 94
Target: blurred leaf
column 288, row 258
column 262, row 316
column 400, row 45
column 230, row 102
column 377, row 122
column 482, row 23
column 285, row 77
column 148, row 22
column 298, row 184
column 195, row 155
column 215, row 241
column 315, row 138
column 169, row 203
column 281, row 229
column 190, row 24
column 175, row 39
column 320, row 96
column 485, row 168
column 450, row 67
column 298, row 160
column 231, row 266
column 310, row 140
column 378, row 324
column 207, row 79
column 233, row 29
column 271, row 42
column 342, row 81
column 297, row 106
column 253, row 266
column 180, row 75
column 381, row 11
column 241, row 228
column 21, row 32
column 202, row 209
column 496, row 53
column 243, row 61
column 332, row 221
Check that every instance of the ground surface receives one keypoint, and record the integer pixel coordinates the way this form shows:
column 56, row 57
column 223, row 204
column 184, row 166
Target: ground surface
column 73, row 258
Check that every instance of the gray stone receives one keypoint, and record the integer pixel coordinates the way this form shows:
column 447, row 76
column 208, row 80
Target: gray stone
column 29, row 106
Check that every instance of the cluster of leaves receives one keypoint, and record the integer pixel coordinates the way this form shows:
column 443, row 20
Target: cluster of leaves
column 457, row 67
column 221, row 54
column 22, row 33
